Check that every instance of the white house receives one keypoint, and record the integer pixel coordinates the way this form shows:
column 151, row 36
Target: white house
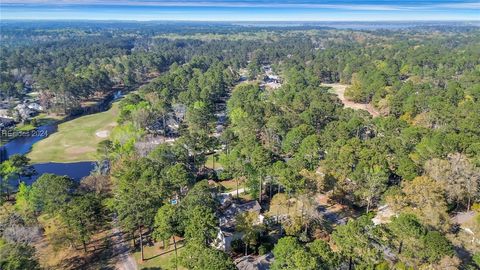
column 35, row 106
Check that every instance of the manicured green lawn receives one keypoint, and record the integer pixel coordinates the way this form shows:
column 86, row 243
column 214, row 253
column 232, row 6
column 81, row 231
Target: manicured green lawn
column 157, row 258
column 76, row 140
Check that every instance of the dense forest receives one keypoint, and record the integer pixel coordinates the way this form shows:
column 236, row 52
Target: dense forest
column 285, row 147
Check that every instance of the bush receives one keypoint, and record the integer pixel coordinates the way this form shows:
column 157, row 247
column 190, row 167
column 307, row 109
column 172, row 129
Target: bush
column 476, row 207
column 476, row 259
column 238, row 246
column 34, row 122
column 436, row 246
column 264, row 248
column 224, row 175
column 382, row 266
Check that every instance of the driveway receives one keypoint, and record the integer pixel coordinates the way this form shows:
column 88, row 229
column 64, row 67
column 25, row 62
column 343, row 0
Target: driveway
column 121, row 248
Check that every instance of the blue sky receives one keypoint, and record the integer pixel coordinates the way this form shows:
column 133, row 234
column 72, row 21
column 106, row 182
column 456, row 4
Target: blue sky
column 241, row 10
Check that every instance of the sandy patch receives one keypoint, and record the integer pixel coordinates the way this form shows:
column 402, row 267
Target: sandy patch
column 102, row 133
column 339, row 89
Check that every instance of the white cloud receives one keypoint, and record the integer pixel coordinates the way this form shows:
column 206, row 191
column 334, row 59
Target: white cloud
column 259, row 4
column 471, row 5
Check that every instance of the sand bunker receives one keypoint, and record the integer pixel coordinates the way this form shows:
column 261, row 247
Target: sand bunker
column 102, row 133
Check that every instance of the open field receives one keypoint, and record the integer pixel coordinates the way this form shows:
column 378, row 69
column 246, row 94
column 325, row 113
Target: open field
column 76, row 140
column 339, row 90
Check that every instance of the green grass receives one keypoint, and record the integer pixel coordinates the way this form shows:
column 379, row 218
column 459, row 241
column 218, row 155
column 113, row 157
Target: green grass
column 75, row 140
column 279, row 206
column 209, row 162
column 157, row 258
column 230, row 185
column 25, row 127
column 41, row 119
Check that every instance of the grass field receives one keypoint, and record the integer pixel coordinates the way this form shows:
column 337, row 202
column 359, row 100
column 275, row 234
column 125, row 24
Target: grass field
column 76, row 140
column 158, row 258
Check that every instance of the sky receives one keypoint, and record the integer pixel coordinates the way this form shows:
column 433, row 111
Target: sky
column 241, row 10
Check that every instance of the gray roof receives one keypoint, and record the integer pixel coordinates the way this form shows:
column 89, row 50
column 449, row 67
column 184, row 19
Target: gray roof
column 254, row 263
column 228, row 216
column 6, row 121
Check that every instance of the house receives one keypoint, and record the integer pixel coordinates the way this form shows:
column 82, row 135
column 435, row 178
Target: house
column 156, row 127
column 227, row 221
column 172, row 125
column 254, row 263
column 225, row 199
column 179, row 110
column 224, row 238
column 6, row 123
column 35, row 106
column 25, row 112
column 170, row 129
column 5, row 110
column 272, row 79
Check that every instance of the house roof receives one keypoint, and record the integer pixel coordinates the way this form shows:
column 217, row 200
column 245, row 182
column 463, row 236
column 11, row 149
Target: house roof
column 228, row 216
column 6, row 121
column 254, row 263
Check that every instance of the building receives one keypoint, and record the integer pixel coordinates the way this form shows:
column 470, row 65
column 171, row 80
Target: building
column 6, row 123
column 254, row 263
column 25, row 112
column 35, row 106
column 227, row 233
column 5, row 110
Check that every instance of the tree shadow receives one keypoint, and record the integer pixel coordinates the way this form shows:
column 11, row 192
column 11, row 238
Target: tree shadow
column 165, row 252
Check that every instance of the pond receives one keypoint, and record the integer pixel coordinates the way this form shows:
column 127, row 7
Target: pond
column 75, row 170
column 23, row 144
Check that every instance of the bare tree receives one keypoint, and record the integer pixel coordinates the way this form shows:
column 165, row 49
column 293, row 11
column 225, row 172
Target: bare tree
column 458, row 175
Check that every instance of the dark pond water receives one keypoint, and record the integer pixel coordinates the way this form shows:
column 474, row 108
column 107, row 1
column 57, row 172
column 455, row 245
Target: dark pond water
column 74, row 170
column 22, row 143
